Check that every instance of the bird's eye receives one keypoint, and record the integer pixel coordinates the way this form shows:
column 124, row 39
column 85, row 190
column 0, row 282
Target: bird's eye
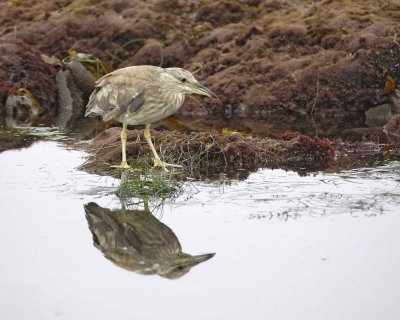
column 183, row 80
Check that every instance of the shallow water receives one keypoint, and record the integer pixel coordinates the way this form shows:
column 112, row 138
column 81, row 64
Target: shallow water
column 323, row 246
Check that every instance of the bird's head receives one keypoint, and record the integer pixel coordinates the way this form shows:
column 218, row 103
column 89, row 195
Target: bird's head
column 182, row 263
column 184, row 82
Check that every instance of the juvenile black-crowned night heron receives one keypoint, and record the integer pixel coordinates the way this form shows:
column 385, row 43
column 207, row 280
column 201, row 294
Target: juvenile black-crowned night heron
column 142, row 95
column 137, row 241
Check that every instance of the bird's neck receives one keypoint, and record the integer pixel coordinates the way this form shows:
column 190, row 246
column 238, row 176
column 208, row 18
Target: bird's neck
column 176, row 101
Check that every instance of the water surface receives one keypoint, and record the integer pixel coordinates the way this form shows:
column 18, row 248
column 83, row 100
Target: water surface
column 323, row 246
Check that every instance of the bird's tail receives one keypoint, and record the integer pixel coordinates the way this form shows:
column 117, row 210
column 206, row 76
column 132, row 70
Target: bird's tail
column 92, row 109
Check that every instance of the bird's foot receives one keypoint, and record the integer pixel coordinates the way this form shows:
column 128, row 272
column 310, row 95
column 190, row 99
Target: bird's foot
column 122, row 165
column 164, row 165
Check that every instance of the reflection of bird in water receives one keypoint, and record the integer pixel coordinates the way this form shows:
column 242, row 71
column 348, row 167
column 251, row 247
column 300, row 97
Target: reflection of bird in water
column 137, row 241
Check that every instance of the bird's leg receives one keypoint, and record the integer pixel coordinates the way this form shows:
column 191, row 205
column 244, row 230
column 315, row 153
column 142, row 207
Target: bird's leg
column 124, row 137
column 157, row 160
column 124, row 164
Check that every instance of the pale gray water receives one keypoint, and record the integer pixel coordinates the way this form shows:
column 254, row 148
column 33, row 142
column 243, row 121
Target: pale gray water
column 287, row 247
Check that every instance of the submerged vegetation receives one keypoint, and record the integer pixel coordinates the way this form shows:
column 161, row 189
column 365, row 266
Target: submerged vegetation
column 148, row 184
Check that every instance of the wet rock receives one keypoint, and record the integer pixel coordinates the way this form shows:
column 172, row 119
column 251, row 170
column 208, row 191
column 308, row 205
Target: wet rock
column 392, row 129
column 373, row 134
column 22, row 109
column 68, row 96
column 75, row 83
column 82, row 78
column 21, row 67
column 73, row 93
column 9, row 140
column 395, row 101
column 378, row 116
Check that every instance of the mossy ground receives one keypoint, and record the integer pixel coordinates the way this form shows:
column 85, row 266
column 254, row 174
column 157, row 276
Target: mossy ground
column 205, row 154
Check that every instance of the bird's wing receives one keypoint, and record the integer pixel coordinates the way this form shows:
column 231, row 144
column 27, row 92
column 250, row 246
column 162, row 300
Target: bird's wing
column 115, row 95
column 108, row 231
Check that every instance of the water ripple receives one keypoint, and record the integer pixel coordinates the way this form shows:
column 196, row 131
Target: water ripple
column 283, row 194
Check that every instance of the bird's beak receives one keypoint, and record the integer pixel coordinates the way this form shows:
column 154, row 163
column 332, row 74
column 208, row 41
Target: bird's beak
column 202, row 90
column 195, row 260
